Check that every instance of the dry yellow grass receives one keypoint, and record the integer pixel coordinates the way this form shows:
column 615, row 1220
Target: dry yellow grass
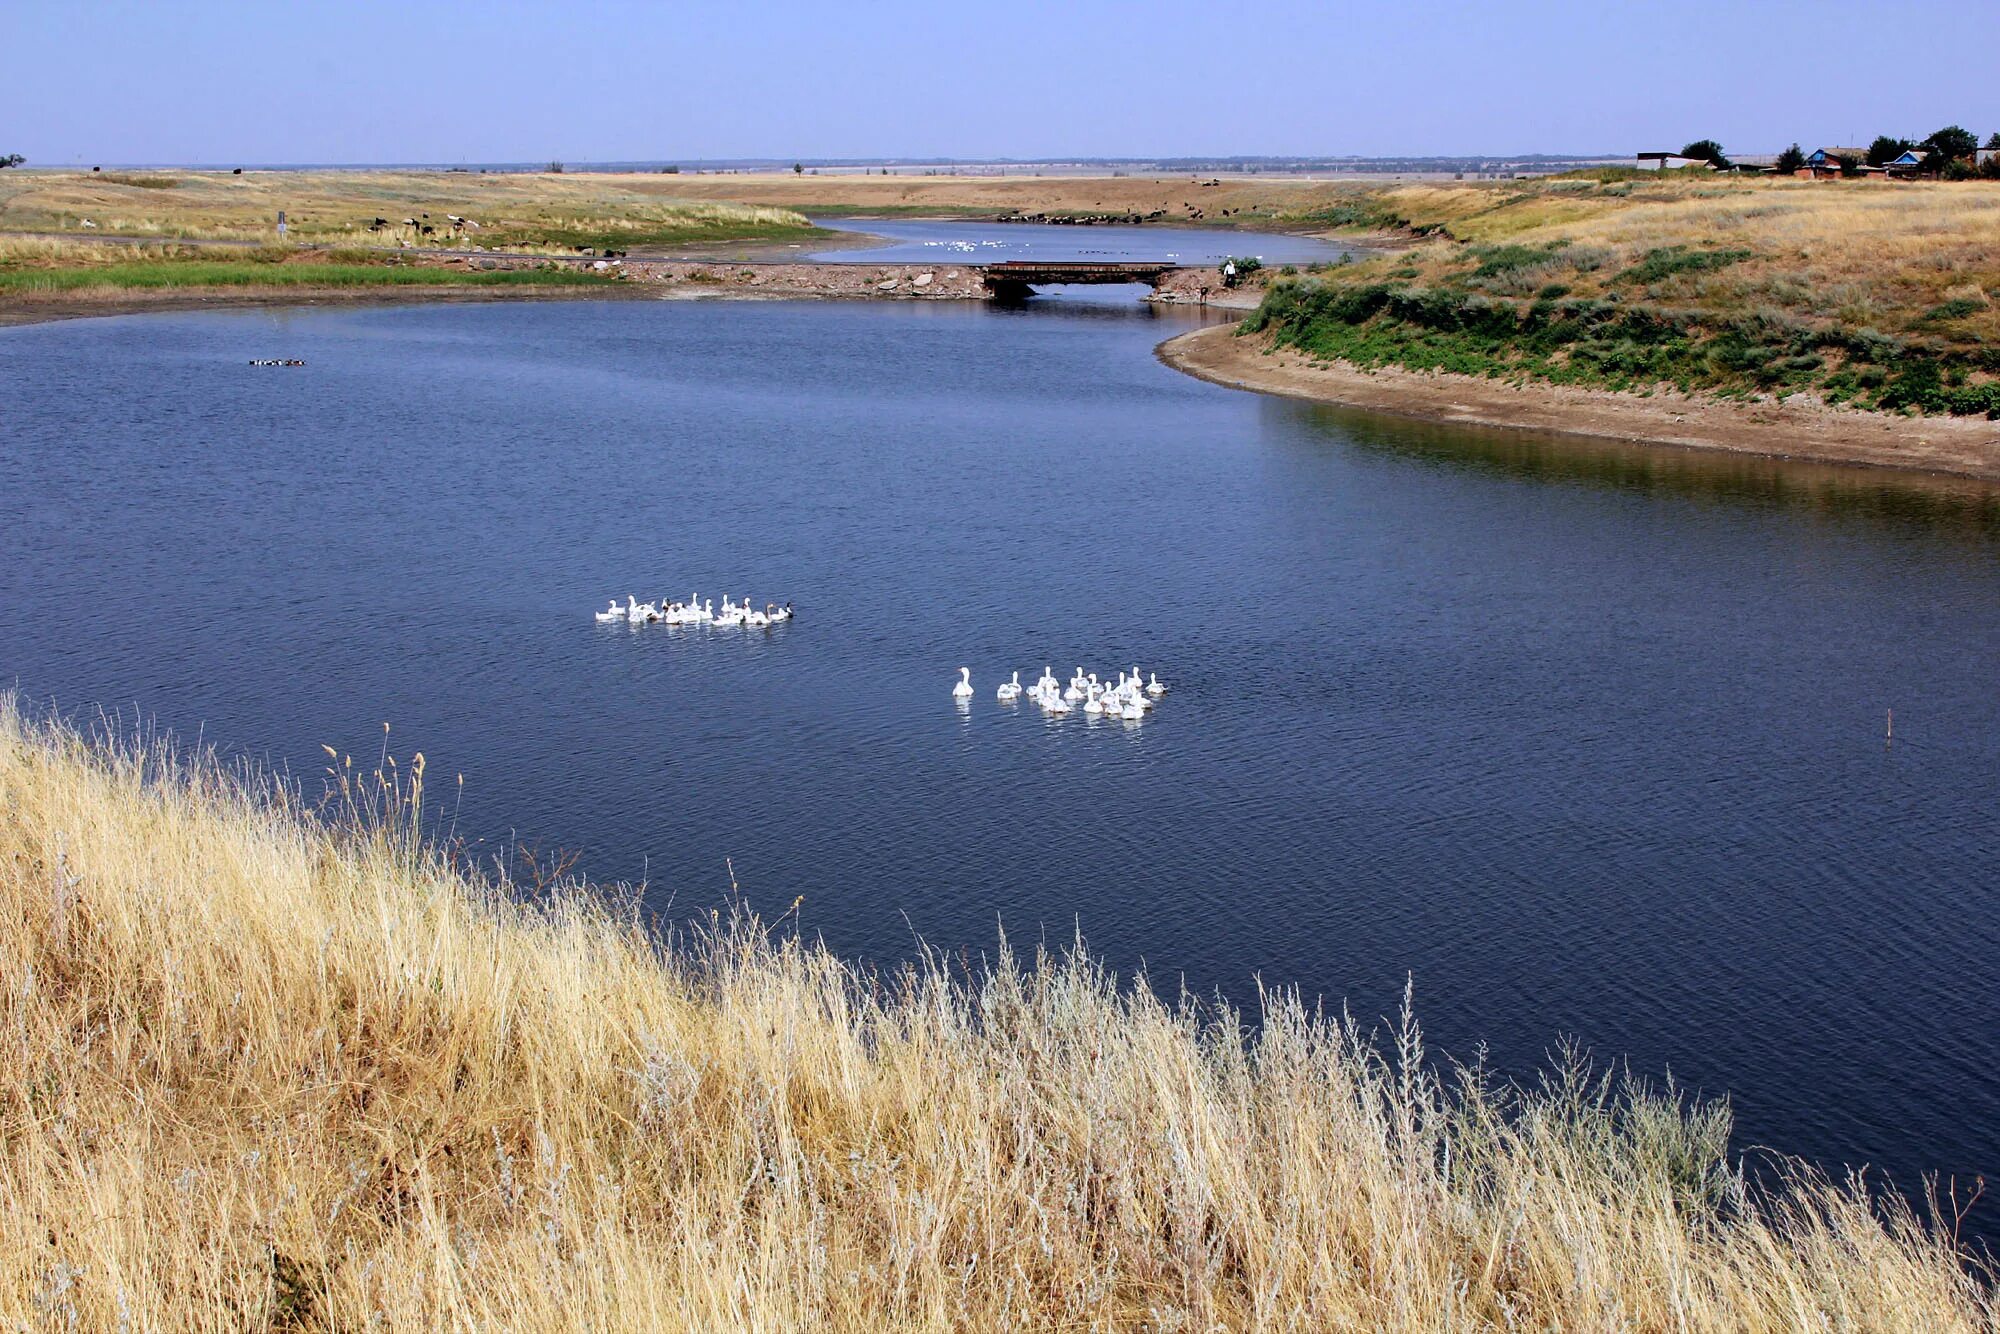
column 1860, row 255
column 525, row 210
column 264, row 1070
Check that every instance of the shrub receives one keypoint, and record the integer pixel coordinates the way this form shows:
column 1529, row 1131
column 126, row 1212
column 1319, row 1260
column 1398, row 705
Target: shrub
column 1499, row 259
column 1920, row 386
column 1956, row 308
column 1667, row 261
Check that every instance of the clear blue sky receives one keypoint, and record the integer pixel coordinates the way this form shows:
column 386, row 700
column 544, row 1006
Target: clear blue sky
column 423, row 80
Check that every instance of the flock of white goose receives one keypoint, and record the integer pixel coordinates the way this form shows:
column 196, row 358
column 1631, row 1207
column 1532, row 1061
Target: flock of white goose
column 694, row 612
column 1129, row 699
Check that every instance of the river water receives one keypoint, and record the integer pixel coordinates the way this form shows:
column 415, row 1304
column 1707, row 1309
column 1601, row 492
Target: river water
column 1590, row 741
column 927, row 240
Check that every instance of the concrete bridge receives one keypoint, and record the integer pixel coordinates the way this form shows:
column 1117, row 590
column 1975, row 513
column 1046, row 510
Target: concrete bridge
column 1016, row 279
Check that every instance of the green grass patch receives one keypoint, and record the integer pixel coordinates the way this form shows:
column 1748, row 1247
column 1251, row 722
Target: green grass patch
column 1360, row 215
column 1669, row 261
column 1955, row 309
column 139, row 181
column 1497, row 261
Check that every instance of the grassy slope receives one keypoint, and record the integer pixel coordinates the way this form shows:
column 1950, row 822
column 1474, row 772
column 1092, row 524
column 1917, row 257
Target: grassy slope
column 543, row 211
column 1878, row 294
column 262, row 1072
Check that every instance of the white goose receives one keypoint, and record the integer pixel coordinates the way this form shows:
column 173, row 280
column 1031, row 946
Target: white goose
column 612, row 613
column 1153, row 686
column 1010, row 690
column 963, row 690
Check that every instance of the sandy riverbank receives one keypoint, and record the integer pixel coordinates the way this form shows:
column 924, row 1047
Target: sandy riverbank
column 1796, row 428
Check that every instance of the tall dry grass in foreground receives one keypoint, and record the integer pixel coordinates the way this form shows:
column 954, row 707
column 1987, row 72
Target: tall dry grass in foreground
column 265, row 1071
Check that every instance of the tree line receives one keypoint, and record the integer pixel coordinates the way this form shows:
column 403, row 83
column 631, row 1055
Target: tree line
column 1950, row 153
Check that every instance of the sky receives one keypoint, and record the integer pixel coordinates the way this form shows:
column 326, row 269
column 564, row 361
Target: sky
column 228, row 83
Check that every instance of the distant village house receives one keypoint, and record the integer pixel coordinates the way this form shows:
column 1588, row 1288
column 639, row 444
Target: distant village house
column 1827, row 163
column 1905, row 164
column 1669, row 161
column 1750, row 164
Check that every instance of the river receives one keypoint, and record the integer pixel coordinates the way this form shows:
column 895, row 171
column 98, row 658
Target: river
column 929, row 240
column 1587, row 740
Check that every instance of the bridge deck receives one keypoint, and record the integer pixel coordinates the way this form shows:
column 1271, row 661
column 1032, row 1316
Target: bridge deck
column 1077, row 271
